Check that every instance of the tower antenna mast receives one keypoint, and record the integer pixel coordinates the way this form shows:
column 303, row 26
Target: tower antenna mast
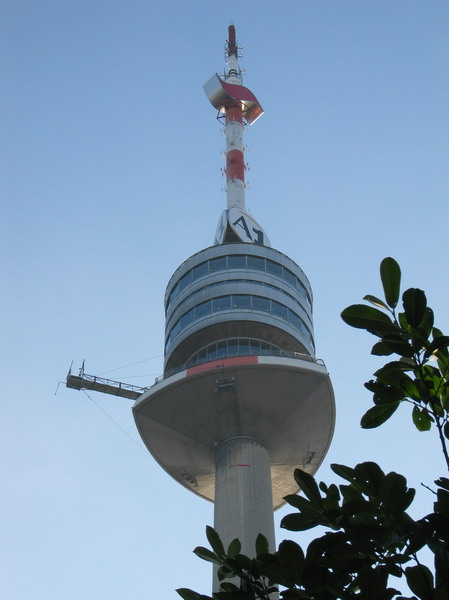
column 237, row 106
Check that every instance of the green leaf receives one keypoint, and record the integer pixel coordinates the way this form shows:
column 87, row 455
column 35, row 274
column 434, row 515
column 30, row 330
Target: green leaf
column 420, row 581
column 309, row 487
column 415, row 303
column 381, row 349
column 394, row 377
column 299, row 522
column 393, row 374
column 439, row 343
column 369, row 476
column 405, row 325
column 187, row 594
column 436, row 332
column 394, row 493
column 312, row 577
column 207, row 554
column 351, row 494
column 292, row 557
column 388, row 395
column 443, row 482
column 215, row 541
column 421, row 419
column 234, row 548
column 377, row 415
column 425, row 327
column 397, row 344
column 229, row 587
column 394, row 365
column 344, row 472
column 373, row 583
column 269, row 566
column 441, row 506
column 366, row 317
column 410, row 389
column 332, row 495
column 374, row 386
column 390, row 274
column 262, row 544
column 304, row 505
column 375, row 301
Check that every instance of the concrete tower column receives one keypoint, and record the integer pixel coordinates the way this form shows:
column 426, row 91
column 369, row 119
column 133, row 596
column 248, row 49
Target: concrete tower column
column 243, row 497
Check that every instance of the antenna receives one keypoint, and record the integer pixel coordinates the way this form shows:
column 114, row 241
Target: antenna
column 237, row 106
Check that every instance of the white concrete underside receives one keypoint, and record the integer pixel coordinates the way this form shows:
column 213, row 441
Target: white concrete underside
column 286, row 404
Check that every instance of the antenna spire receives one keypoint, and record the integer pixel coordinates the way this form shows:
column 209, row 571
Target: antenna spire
column 237, row 106
column 232, row 44
column 234, row 74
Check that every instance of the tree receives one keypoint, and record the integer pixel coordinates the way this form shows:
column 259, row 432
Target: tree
column 370, row 539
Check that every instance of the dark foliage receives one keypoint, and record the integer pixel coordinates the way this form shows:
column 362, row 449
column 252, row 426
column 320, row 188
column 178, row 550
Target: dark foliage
column 371, row 542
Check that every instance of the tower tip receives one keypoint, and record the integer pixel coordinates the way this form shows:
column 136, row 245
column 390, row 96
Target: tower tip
column 232, row 43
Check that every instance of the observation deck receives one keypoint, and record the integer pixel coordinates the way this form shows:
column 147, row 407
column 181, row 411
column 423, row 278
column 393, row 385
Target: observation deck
column 285, row 403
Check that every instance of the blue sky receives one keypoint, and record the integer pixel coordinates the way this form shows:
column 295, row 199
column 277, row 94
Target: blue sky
column 111, row 159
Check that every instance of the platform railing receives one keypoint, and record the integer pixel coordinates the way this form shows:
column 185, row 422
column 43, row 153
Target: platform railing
column 83, row 381
column 273, row 352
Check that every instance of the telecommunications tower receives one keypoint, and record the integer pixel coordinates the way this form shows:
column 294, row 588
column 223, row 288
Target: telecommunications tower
column 243, row 401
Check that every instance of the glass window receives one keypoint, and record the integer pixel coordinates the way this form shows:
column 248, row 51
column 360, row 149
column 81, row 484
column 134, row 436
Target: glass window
column 203, row 309
column 238, row 261
column 176, row 329
column 255, row 262
column 222, row 349
column 174, row 293
column 169, row 339
column 279, row 309
column 288, row 276
column 199, row 271
column 217, row 264
column 233, row 347
column 306, row 331
column 222, row 303
column 294, row 320
column 274, row 268
column 265, row 348
column 241, row 301
column 260, row 303
column 301, row 289
column 254, row 347
column 212, row 352
column 185, row 280
column 243, row 347
column 187, row 319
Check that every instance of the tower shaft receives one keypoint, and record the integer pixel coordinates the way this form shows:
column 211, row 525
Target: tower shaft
column 243, row 497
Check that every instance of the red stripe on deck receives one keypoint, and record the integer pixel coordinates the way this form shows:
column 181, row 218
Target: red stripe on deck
column 224, row 362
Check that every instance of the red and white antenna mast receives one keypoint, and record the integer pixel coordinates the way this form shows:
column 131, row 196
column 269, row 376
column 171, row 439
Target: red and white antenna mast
column 237, row 106
column 235, row 164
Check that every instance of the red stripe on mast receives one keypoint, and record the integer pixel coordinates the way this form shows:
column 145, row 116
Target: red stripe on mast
column 235, row 164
